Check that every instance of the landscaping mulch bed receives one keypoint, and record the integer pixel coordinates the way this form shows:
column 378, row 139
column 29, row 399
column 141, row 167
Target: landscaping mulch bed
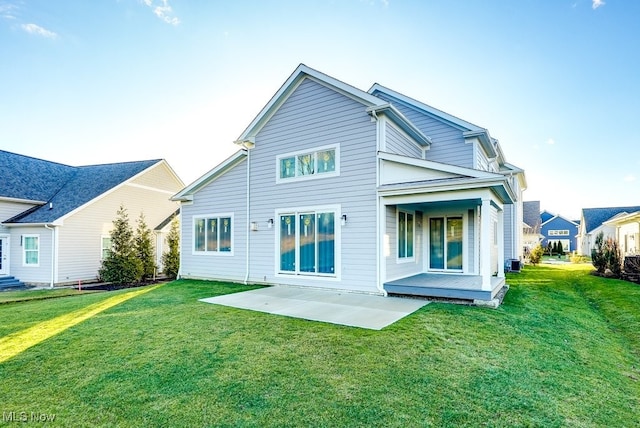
column 113, row 287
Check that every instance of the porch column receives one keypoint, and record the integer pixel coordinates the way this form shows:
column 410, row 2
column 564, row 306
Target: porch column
column 500, row 243
column 485, row 244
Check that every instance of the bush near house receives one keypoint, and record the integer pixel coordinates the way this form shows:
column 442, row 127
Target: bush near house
column 122, row 265
column 606, row 256
column 536, row 254
column 171, row 258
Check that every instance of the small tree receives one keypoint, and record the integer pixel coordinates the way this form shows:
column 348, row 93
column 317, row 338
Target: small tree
column 144, row 248
column 121, row 266
column 597, row 254
column 536, row 254
column 550, row 248
column 554, row 248
column 613, row 257
column 171, row 258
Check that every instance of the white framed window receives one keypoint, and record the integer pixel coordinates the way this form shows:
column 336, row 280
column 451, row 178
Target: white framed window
column 406, row 232
column 308, row 242
column 309, row 164
column 31, row 250
column 558, row 233
column 105, row 247
column 213, row 234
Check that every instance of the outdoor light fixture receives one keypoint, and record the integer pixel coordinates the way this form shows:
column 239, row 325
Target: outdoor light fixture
column 270, row 223
column 254, row 225
column 343, row 220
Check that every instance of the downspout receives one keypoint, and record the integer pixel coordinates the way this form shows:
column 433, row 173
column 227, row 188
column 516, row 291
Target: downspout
column 248, row 144
column 53, row 253
column 246, row 277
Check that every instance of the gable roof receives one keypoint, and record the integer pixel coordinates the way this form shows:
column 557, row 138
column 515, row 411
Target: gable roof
column 373, row 104
column 67, row 189
column 595, row 217
column 559, row 217
column 470, row 130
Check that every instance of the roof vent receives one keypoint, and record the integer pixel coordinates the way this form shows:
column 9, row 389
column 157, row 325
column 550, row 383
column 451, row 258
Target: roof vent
column 50, row 205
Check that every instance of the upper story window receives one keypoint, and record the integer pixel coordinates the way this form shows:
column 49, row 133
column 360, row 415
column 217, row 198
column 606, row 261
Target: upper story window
column 212, row 234
column 315, row 163
column 31, row 250
column 558, row 233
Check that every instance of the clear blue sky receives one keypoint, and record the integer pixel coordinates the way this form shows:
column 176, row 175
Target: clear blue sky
column 556, row 81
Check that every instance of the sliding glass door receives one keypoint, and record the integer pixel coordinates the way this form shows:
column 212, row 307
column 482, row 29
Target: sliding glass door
column 445, row 243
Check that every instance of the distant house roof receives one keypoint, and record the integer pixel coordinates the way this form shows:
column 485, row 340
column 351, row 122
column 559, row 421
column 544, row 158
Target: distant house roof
column 531, row 214
column 545, row 216
column 59, row 189
column 594, row 217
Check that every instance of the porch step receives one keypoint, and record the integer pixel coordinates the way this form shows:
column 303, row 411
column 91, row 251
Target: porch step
column 10, row 282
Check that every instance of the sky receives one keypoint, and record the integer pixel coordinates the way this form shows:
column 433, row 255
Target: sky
column 557, row 82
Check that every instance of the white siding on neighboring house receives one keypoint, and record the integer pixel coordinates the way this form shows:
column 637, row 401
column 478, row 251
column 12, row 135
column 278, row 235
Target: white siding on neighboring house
column 10, row 209
column 39, row 274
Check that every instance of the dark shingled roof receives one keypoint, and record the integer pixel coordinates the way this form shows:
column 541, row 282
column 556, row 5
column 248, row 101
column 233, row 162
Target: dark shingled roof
column 594, row 217
column 531, row 214
column 65, row 187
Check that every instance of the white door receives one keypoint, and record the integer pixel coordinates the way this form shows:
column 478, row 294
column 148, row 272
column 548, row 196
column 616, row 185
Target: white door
column 4, row 256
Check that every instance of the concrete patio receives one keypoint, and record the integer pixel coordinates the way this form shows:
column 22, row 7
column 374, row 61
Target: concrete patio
column 336, row 307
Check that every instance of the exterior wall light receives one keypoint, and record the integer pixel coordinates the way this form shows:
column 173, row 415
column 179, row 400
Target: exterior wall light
column 343, row 219
column 270, row 223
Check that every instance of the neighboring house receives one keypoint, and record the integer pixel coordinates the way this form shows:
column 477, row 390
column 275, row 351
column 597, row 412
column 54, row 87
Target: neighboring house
column 546, row 216
column 531, row 225
column 559, row 229
column 56, row 219
column 627, row 232
column 593, row 222
column 334, row 187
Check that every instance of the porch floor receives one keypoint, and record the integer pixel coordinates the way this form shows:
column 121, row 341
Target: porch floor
column 449, row 286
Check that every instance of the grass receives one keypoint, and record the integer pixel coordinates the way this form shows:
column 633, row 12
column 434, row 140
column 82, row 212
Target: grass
column 42, row 294
column 563, row 350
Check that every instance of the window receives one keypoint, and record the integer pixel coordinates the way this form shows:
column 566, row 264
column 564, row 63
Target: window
column 307, row 243
column 558, row 233
column 406, row 232
column 321, row 162
column 105, row 247
column 31, row 247
column 212, row 234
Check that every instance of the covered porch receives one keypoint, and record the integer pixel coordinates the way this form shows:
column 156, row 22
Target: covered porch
column 447, row 286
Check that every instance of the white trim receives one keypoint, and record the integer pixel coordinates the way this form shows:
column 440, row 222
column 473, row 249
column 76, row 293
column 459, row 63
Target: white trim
column 444, row 214
column 216, row 253
column 6, row 254
column 412, row 259
column 314, row 151
column 153, row 189
column 24, row 250
column 337, row 250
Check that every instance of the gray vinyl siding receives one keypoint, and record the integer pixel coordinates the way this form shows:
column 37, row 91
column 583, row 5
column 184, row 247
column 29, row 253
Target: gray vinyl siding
column 509, row 238
column 225, row 195
column 394, row 268
column 447, row 142
column 399, row 143
column 471, row 237
column 315, row 116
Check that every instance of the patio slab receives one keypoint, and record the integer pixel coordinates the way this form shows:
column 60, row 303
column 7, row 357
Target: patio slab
column 336, row 307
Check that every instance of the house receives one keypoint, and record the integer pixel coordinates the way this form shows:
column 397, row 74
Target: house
column 595, row 220
column 531, row 225
column 56, row 219
column 627, row 232
column 558, row 229
column 375, row 192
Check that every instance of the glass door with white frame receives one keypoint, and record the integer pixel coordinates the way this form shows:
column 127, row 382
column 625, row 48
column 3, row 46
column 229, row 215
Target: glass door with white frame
column 445, row 243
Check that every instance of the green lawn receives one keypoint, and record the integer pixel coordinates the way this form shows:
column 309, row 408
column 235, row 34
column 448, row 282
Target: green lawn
column 563, row 350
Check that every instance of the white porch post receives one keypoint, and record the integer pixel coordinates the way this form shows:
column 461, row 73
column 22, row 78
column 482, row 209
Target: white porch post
column 500, row 243
column 485, row 244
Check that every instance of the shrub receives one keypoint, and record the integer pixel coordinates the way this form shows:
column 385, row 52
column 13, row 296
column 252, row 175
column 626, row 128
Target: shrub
column 171, row 258
column 578, row 258
column 536, row 254
column 121, row 266
column 144, row 248
column 606, row 256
